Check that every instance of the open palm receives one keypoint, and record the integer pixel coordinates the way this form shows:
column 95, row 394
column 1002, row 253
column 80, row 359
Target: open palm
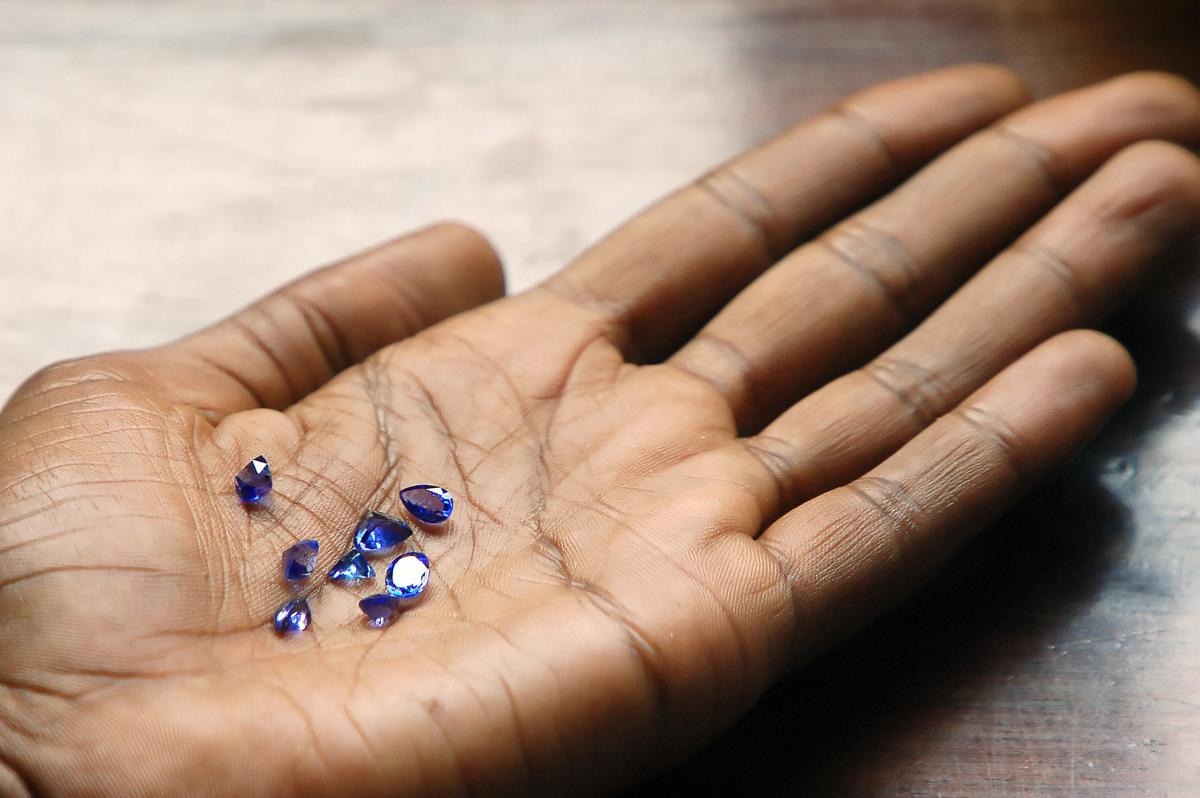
column 726, row 437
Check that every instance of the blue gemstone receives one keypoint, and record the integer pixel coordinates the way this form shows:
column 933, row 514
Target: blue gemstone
column 379, row 532
column 254, row 481
column 294, row 616
column 299, row 560
column 408, row 575
column 428, row 503
column 379, row 609
column 352, row 567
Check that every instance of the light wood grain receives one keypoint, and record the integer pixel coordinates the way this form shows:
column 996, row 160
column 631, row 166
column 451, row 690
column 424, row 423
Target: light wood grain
column 163, row 162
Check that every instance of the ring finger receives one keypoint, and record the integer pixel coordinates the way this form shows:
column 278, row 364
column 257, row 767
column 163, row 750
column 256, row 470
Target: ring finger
column 838, row 300
column 1067, row 271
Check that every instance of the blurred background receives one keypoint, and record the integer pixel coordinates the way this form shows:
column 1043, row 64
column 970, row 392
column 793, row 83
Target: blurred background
column 162, row 163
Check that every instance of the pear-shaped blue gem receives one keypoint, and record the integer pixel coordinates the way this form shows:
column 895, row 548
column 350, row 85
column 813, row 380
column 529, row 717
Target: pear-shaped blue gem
column 352, row 567
column 293, row 616
column 379, row 609
column 408, row 575
column 300, row 560
column 428, row 503
column 254, row 481
column 378, row 532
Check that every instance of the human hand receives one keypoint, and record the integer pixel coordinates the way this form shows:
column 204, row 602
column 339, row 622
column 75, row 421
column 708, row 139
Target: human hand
column 680, row 470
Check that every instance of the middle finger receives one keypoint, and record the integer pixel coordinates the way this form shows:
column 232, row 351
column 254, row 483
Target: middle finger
column 836, row 301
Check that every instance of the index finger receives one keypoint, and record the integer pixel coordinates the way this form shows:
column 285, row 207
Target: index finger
column 694, row 250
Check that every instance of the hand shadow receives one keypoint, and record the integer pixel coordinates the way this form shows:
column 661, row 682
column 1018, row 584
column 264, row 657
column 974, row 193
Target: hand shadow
column 1032, row 634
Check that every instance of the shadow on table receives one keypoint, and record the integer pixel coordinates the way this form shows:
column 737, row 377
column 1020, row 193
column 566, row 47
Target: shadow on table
column 853, row 722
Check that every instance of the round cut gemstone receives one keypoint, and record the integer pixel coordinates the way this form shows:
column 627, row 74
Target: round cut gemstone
column 408, row 575
column 352, row 567
column 300, row 560
column 378, row 532
column 428, row 503
column 379, row 609
column 253, row 482
column 293, row 616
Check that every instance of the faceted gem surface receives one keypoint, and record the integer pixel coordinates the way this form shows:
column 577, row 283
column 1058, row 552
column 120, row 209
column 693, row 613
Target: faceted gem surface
column 352, row 567
column 299, row 560
column 294, row 616
column 379, row 532
column 408, row 575
column 428, row 503
column 254, row 481
column 379, row 609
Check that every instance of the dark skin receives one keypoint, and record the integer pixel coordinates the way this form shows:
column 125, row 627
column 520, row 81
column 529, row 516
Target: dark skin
column 748, row 422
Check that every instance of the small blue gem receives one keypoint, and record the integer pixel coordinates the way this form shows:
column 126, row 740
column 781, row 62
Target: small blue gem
column 254, row 481
column 352, row 567
column 408, row 575
column 294, row 616
column 379, row 609
column 428, row 503
column 378, row 532
column 299, row 561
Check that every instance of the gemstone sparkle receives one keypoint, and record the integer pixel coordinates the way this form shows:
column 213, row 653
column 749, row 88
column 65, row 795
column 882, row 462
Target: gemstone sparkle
column 379, row 609
column 293, row 616
column 352, row 567
column 299, row 561
column 377, row 532
column 253, row 482
column 408, row 575
column 428, row 503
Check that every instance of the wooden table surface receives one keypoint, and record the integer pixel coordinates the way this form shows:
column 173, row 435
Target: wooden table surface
column 163, row 162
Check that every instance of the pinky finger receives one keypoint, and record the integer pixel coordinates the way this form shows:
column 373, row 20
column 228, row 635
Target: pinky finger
column 855, row 551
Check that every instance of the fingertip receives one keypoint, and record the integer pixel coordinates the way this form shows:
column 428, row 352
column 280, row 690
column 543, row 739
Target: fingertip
column 1091, row 358
column 475, row 252
column 996, row 81
column 950, row 103
column 1156, row 89
column 1001, row 81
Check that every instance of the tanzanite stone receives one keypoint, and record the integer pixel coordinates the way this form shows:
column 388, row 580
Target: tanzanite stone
column 379, row 609
column 254, row 481
column 378, row 532
column 294, row 616
column 428, row 503
column 352, row 567
column 299, row 561
column 408, row 575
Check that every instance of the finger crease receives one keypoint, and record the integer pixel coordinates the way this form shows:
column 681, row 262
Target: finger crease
column 607, row 316
column 918, row 388
column 860, row 122
column 1057, row 266
column 1047, row 162
column 999, row 432
column 769, row 451
column 213, row 363
column 260, row 343
column 742, row 379
column 748, row 203
column 882, row 259
column 899, row 509
column 322, row 328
